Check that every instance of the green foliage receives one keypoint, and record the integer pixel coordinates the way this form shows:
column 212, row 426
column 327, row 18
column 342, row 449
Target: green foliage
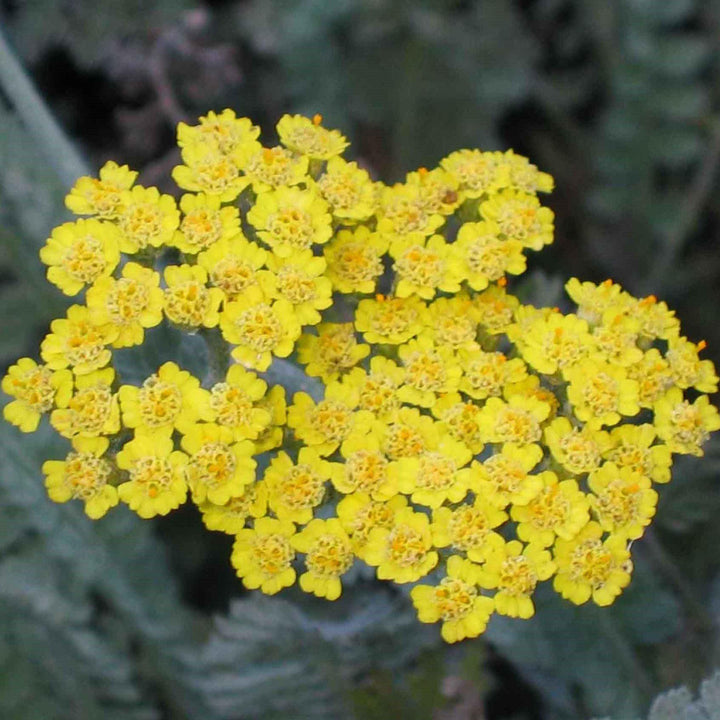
column 405, row 67
column 654, row 126
column 678, row 704
column 31, row 203
column 272, row 654
column 84, row 26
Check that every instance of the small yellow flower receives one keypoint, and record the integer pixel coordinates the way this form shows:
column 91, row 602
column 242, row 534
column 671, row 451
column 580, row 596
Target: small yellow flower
column 354, row 260
column 523, row 175
column 328, row 555
column 92, row 410
column 468, row 528
column 260, row 327
column 601, row 393
column 495, row 310
column 218, row 468
column 435, row 476
column 456, row 602
column 655, row 319
column 235, row 404
column 273, row 168
column 84, row 474
column 75, row 341
column 686, row 367
column 365, row 470
column 232, row 517
column 481, row 257
column 520, row 217
column 632, row 447
column 348, row 190
column 359, row 514
column 594, row 300
column 403, row 215
column 378, row 388
column 560, row 509
column 685, row 426
column 479, row 173
column 615, row 340
column 515, row 421
column 289, row 219
column 36, row 389
column 204, row 223
column 209, row 171
column 460, row 420
column 515, row 571
column 390, row 320
column 588, row 567
column 232, row 264
column 652, row 373
column 452, row 322
column 333, row 351
column 429, row 371
column 407, row 434
column 189, row 303
column 170, row 399
column 623, row 501
column 578, row 450
column 486, row 374
column 299, row 279
column 103, row 196
column 147, row 219
column 423, row 268
column 504, row 478
column 324, row 425
column 224, row 132
column 404, row 552
column 262, row 556
column 130, row 303
column 437, row 190
column 156, row 482
column 554, row 342
column 296, row 489
column 309, row 137
column 79, row 253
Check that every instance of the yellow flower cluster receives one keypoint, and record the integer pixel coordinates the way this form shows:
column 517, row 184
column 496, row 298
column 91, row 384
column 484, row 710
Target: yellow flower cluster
column 463, row 438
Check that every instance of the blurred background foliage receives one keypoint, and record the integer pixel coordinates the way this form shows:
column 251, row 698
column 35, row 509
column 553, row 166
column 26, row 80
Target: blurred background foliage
column 618, row 99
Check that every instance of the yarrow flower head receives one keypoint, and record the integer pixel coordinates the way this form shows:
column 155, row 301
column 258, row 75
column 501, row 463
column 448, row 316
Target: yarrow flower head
column 373, row 387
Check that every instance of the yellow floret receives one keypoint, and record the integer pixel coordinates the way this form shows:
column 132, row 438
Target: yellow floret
column 130, row 303
column 299, row 278
column 79, row 253
column 232, row 265
column 289, row 219
column 76, row 342
column 259, row 327
column 36, row 389
column 328, row 555
column 85, row 475
column 93, row 408
column 204, row 223
column 147, row 220
column 295, row 489
column 103, row 196
column 588, row 567
column 189, row 303
column 309, row 137
column 333, row 351
column 218, row 467
column 455, row 601
column 156, row 475
column 263, row 556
